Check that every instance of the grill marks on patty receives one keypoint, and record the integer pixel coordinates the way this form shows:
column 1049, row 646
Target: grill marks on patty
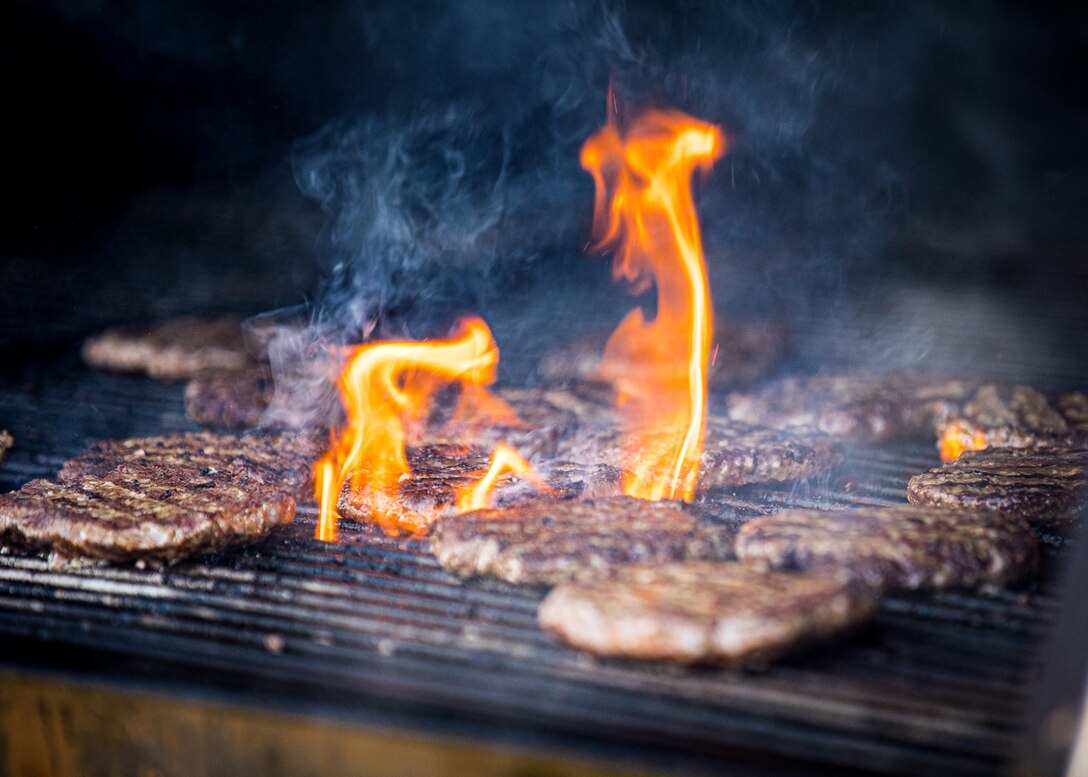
column 703, row 611
column 549, row 541
column 898, row 548
column 439, row 472
column 1044, row 485
column 142, row 511
column 283, row 460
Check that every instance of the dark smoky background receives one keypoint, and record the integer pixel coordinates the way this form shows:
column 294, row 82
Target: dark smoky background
column 906, row 182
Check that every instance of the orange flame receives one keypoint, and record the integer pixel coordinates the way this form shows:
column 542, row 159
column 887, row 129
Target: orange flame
column 386, row 387
column 504, row 459
column 955, row 440
column 644, row 207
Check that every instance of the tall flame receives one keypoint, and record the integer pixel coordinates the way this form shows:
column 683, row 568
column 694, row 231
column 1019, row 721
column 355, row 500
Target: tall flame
column 386, row 387
column 504, row 459
column 644, row 208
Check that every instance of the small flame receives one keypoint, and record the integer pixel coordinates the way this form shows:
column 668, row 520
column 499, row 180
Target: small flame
column 644, row 207
column 386, row 388
column 955, row 440
column 504, row 459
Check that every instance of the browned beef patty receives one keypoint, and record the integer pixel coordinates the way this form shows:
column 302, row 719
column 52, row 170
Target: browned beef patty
column 746, row 351
column 550, row 541
column 440, row 472
column 703, row 611
column 862, row 406
column 734, row 453
column 901, row 547
column 142, row 511
column 6, row 441
column 283, row 461
column 541, row 418
column 1009, row 416
column 228, row 400
column 171, row 350
column 1044, row 485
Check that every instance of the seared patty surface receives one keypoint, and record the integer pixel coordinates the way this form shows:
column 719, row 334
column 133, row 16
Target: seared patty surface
column 693, row 611
column 734, row 453
column 862, row 406
column 171, row 350
column 283, row 461
column 1008, row 416
column 1044, row 485
column 440, row 472
column 142, row 511
column 228, row 401
column 902, row 547
column 550, row 541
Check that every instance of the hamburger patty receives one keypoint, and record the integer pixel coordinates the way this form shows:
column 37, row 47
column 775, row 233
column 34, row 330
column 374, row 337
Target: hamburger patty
column 734, row 453
column 440, row 472
column 171, row 350
column 283, row 461
column 897, row 548
column 550, row 541
column 1005, row 416
column 228, row 400
column 746, row 352
column 703, row 611
column 142, row 511
column 540, row 419
column 1044, row 485
column 862, row 406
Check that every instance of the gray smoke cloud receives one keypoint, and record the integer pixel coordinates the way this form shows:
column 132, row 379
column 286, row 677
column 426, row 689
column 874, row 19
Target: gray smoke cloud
column 852, row 129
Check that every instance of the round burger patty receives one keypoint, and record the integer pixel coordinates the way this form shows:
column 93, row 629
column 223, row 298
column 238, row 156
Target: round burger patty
column 746, row 352
column 171, row 350
column 1044, row 485
column 899, row 548
column 734, row 453
column 440, row 472
column 284, row 461
column 1006, row 416
column 703, row 611
column 228, row 400
column 862, row 406
column 142, row 511
column 550, row 541
column 539, row 419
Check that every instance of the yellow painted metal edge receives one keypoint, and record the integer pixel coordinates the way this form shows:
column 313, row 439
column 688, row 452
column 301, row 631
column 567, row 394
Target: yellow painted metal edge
column 59, row 728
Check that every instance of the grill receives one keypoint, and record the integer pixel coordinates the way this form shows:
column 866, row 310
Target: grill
column 371, row 632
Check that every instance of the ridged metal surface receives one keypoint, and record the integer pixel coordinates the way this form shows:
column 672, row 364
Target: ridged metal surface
column 936, row 685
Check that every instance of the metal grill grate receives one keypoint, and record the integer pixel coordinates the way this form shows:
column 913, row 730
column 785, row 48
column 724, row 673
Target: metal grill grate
column 936, row 684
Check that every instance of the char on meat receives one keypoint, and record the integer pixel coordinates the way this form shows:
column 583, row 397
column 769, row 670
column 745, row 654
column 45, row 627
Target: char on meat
column 901, row 547
column 148, row 510
column 1046, row 486
column 548, row 541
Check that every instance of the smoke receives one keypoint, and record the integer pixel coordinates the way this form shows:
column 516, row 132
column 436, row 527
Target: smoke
column 853, row 130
